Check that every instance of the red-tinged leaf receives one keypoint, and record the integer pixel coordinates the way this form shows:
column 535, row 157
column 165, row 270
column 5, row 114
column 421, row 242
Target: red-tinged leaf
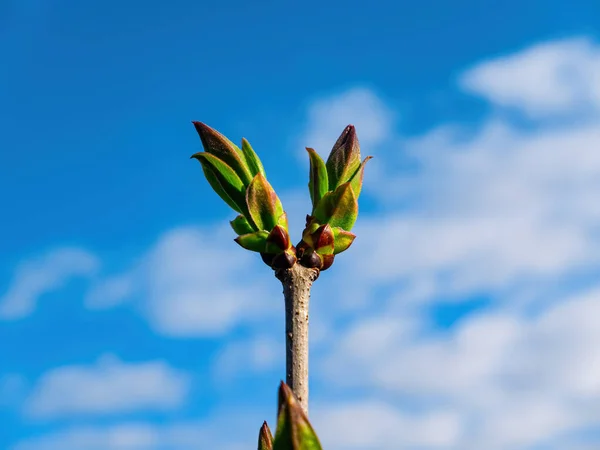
column 356, row 180
column 294, row 431
column 323, row 240
column 318, row 183
column 342, row 240
column 265, row 438
column 263, row 204
column 223, row 180
column 241, row 225
column 284, row 260
column 311, row 259
column 252, row 160
column 327, row 262
column 255, row 242
column 218, row 145
column 278, row 240
column 344, row 158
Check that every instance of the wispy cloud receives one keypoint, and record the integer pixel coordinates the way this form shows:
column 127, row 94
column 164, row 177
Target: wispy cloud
column 34, row 278
column 359, row 106
column 194, row 282
column 558, row 77
column 500, row 211
column 108, row 386
column 503, row 212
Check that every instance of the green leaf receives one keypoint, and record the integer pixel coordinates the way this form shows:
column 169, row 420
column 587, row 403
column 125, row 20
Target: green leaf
column 263, row 204
column 309, row 230
column 223, row 180
column 265, row 438
column 344, row 158
column 252, row 159
column 218, row 145
column 294, row 431
column 342, row 239
column 241, row 225
column 255, row 242
column 283, row 221
column 318, row 183
column 338, row 208
column 321, row 212
column 356, row 180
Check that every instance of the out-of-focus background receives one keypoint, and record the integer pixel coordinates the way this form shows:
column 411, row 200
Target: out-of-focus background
column 465, row 316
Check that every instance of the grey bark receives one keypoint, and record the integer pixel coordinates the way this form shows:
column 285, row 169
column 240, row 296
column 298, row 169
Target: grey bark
column 297, row 282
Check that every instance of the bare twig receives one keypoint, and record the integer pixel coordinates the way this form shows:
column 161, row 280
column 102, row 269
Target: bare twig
column 297, row 282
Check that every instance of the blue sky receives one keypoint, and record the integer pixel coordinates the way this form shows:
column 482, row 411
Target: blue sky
column 463, row 317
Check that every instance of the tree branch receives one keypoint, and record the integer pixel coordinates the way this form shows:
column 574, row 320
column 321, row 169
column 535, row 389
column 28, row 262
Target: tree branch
column 297, row 282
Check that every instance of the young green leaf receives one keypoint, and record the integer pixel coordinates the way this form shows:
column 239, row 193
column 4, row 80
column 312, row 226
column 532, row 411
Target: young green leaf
column 318, row 183
column 252, row 159
column 322, row 211
column 338, row 208
column 344, row 158
column 218, row 145
column 263, row 204
column 241, row 225
column 294, row 431
column 223, row 180
column 255, row 242
column 345, row 209
column 342, row 240
column 356, row 180
column 282, row 221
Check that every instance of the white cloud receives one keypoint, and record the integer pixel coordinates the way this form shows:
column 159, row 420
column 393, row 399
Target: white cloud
column 516, row 382
column 108, row 386
column 500, row 211
column 557, row 77
column 327, row 118
column 34, row 278
column 254, row 354
column 215, row 432
column 379, row 426
column 194, row 281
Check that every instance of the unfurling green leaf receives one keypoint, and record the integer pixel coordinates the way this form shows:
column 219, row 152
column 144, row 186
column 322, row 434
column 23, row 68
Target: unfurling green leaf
column 263, row 204
column 294, row 431
column 342, row 240
column 344, row 158
column 255, row 242
column 265, row 438
column 241, row 225
column 338, row 208
column 218, row 145
column 318, row 183
column 223, row 180
column 252, row 160
column 283, row 221
column 357, row 179
column 321, row 212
